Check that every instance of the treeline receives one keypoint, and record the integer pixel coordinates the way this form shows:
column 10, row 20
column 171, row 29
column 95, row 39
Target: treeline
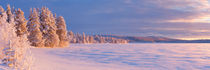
column 89, row 39
column 14, row 45
column 43, row 29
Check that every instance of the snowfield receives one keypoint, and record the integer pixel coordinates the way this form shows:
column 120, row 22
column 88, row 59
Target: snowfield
column 123, row 57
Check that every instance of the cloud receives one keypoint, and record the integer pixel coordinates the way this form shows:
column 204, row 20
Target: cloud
column 128, row 1
column 186, row 5
column 192, row 11
column 198, row 10
column 171, row 18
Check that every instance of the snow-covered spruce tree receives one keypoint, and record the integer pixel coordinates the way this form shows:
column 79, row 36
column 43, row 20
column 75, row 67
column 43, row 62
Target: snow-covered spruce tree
column 87, row 39
column 35, row 35
column 100, row 39
column 71, row 37
column 10, row 16
column 96, row 38
column 1, row 16
column 1, row 9
column 83, row 38
column 48, row 28
column 91, row 39
column 62, row 31
column 15, row 52
column 78, row 38
column 20, row 22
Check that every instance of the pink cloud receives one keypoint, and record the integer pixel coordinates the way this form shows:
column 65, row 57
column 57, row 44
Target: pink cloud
column 193, row 5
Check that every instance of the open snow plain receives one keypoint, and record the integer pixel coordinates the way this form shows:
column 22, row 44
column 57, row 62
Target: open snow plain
column 149, row 56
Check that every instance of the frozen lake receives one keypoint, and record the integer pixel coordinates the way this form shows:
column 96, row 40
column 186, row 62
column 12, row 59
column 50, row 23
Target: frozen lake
column 124, row 57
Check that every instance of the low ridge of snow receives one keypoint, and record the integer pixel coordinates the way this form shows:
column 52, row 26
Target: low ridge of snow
column 124, row 57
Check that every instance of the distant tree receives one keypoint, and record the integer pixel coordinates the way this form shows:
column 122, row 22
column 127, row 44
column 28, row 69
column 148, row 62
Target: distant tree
column 83, row 38
column 79, row 38
column 21, row 23
column 91, row 39
column 71, row 34
column 96, row 37
column 62, row 31
column 35, row 35
column 102, row 39
column 87, row 39
column 71, row 37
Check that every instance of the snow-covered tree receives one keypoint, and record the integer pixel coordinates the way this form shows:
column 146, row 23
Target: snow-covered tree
column 35, row 35
column 87, row 39
column 1, row 9
column 15, row 51
column 48, row 28
column 83, row 38
column 62, row 31
column 102, row 39
column 79, row 38
column 21, row 22
column 70, row 36
column 91, row 39
column 10, row 16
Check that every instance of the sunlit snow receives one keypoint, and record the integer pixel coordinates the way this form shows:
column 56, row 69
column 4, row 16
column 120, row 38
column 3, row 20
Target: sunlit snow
column 124, row 57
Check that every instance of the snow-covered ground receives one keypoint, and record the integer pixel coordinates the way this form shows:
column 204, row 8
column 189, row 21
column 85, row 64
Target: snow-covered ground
column 124, row 57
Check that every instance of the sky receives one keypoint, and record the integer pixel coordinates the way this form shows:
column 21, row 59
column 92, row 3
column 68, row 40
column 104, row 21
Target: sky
column 182, row 19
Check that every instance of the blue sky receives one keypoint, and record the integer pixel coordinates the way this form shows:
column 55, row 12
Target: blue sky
column 185, row 19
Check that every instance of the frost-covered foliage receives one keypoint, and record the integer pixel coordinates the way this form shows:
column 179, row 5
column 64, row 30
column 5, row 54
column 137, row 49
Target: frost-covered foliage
column 1, row 9
column 45, row 30
column 87, row 39
column 35, row 35
column 10, row 15
column 62, row 31
column 14, row 51
column 48, row 28
column 20, row 22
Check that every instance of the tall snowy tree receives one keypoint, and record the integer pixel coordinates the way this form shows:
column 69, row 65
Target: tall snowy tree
column 1, row 9
column 21, row 23
column 91, row 39
column 71, row 33
column 78, row 38
column 84, row 38
column 87, row 39
column 35, row 35
column 62, row 31
column 49, row 28
column 71, row 37
column 10, row 16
